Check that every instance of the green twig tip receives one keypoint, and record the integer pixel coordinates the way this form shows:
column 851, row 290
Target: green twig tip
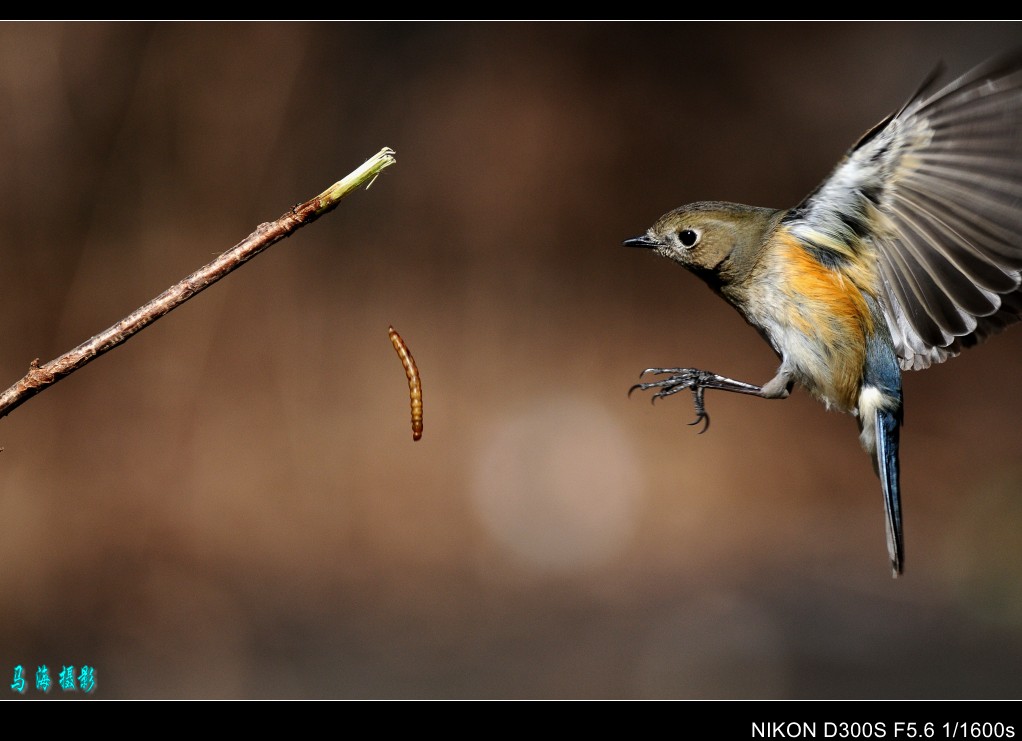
column 366, row 173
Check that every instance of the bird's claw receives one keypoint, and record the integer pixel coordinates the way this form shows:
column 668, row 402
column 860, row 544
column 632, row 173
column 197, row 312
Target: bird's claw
column 682, row 378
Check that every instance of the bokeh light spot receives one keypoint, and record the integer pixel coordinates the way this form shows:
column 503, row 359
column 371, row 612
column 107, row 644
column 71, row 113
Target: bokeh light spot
column 558, row 485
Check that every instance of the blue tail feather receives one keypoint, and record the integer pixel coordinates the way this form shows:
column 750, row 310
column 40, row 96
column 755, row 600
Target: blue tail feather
column 887, row 428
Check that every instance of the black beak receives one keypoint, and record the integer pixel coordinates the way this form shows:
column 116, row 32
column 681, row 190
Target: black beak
column 643, row 241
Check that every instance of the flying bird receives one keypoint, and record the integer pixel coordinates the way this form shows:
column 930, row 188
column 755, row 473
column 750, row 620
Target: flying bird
column 909, row 252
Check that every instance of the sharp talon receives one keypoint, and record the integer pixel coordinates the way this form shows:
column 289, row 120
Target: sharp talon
column 704, row 418
column 701, row 415
column 640, row 386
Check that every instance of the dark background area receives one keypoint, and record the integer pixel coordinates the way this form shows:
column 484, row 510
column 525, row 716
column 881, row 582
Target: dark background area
column 231, row 505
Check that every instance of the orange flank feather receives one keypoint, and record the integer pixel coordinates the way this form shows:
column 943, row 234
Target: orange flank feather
column 827, row 307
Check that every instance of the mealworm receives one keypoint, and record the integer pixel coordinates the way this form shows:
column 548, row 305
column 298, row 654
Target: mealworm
column 414, row 382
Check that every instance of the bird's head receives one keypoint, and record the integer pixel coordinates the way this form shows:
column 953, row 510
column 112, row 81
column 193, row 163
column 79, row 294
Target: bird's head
column 709, row 237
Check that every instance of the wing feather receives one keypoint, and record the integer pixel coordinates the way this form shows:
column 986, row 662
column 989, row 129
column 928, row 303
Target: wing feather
column 933, row 195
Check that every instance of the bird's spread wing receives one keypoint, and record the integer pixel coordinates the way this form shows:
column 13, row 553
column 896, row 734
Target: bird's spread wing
column 933, row 194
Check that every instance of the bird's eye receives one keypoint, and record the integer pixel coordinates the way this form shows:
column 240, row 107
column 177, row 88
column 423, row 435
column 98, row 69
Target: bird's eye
column 688, row 237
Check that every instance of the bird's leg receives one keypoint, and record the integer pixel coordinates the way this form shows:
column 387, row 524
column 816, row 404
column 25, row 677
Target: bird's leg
column 699, row 380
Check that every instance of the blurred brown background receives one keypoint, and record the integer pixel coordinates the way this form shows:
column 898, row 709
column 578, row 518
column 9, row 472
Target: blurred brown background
column 231, row 504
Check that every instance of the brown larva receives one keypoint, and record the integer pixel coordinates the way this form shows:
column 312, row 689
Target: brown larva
column 414, row 383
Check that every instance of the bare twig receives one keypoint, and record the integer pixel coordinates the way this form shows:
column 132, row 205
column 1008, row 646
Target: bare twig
column 40, row 377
